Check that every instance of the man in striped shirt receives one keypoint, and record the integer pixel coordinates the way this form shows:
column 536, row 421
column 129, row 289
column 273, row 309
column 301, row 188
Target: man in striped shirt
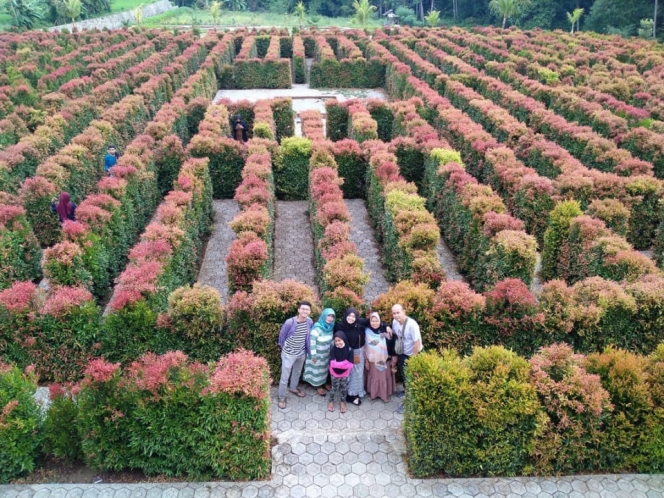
column 294, row 344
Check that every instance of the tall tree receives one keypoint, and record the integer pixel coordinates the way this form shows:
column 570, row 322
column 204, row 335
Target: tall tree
column 72, row 9
column 506, row 8
column 300, row 10
column 574, row 17
column 215, row 11
column 363, row 11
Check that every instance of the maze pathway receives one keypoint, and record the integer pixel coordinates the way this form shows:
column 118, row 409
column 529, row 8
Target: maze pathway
column 294, row 243
column 447, row 261
column 213, row 268
column 362, row 235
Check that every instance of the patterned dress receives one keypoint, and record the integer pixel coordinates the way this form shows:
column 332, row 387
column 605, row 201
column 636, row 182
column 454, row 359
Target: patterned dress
column 320, row 339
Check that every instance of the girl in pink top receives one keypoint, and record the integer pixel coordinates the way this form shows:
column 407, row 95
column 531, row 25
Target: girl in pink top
column 341, row 363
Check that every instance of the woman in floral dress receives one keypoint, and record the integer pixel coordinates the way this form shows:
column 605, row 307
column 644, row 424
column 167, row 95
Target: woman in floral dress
column 318, row 363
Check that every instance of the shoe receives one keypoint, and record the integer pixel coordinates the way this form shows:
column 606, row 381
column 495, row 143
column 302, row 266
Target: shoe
column 400, row 394
column 400, row 409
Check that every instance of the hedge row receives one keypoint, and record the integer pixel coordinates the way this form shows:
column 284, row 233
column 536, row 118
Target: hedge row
column 558, row 412
column 214, row 141
column 407, row 231
column 95, row 247
column 299, row 65
column 615, row 120
column 644, row 216
column 251, row 255
column 161, row 415
column 250, row 70
column 577, row 246
column 166, row 258
column 339, row 270
column 291, row 168
column 490, row 245
column 349, row 70
column 336, row 122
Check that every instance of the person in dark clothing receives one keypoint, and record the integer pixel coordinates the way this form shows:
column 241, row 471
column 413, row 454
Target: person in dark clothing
column 65, row 208
column 341, row 364
column 240, row 129
column 354, row 326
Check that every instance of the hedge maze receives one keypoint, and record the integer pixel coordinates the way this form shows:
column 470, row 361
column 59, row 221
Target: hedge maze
column 536, row 157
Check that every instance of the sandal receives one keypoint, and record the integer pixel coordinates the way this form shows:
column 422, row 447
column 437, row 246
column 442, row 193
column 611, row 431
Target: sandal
column 298, row 392
column 357, row 401
column 321, row 391
column 330, row 407
column 282, row 404
column 342, row 407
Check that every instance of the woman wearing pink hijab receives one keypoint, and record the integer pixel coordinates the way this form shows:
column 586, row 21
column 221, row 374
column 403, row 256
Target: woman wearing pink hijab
column 66, row 209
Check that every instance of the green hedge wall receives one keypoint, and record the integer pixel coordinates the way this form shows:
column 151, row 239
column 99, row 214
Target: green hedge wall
column 258, row 73
column 493, row 413
column 291, row 169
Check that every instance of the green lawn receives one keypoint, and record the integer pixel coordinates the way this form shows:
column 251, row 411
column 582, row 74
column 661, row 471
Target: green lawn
column 187, row 16
column 122, row 5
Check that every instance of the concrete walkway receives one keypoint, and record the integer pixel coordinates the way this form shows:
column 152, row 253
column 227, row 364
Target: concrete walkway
column 356, row 454
column 363, row 236
column 294, row 243
column 213, row 268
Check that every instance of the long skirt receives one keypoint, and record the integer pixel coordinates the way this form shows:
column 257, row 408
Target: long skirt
column 381, row 384
column 356, row 377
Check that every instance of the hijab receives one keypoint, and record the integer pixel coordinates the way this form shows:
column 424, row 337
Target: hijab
column 322, row 324
column 375, row 350
column 341, row 354
column 353, row 331
column 64, row 207
column 378, row 329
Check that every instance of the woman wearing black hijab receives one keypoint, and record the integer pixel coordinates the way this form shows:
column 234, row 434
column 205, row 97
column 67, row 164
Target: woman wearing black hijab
column 353, row 326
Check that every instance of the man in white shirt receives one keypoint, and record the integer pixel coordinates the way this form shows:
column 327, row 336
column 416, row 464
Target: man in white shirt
column 409, row 331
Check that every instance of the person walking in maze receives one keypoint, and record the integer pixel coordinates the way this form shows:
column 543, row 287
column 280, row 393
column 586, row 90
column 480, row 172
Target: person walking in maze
column 65, row 209
column 240, row 128
column 294, row 343
column 111, row 158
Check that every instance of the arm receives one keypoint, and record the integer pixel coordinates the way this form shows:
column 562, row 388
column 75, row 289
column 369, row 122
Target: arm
column 313, row 338
column 417, row 338
column 284, row 332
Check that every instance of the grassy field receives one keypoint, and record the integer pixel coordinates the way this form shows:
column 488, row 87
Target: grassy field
column 122, row 5
column 187, row 16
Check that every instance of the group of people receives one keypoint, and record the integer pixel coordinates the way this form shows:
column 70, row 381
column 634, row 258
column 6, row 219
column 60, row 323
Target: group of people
column 352, row 358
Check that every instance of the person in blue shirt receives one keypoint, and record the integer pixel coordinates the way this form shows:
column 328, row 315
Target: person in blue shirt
column 111, row 158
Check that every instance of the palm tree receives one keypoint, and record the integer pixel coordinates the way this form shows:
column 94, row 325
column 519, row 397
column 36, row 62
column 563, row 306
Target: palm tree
column 24, row 13
column 72, row 9
column 574, row 17
column 506, row 8
column 215, row 11
column 363, row 11
column 300, row 10
column 138, row 15
column 432, row 18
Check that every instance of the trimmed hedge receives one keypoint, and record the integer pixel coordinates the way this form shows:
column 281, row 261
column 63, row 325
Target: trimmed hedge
column 226, row 155
column 251, row 255
column 56, row 332
column 20, row 422
column 169, row 415
column 336, row 124
column 252, row 71
column 166, row 258
column 299, row 66
column 406, row 229
column 558, row 413
column 490, row 245
column 291, row 168
column 20, row 254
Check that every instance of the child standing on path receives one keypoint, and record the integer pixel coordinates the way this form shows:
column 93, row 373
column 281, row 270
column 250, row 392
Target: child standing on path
column 341, row 363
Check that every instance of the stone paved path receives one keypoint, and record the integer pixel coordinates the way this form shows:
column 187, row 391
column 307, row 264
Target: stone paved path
column 294, row 243
column 357, row 454
column 448, row 262
column 213, row 268
column 363, row 236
